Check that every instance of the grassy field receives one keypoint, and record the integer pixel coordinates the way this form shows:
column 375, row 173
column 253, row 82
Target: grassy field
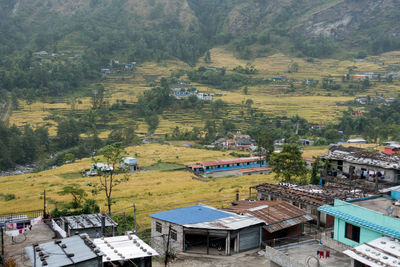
column 160, row 187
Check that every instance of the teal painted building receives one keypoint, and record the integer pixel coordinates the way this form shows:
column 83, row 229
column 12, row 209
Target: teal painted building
column 356, row 224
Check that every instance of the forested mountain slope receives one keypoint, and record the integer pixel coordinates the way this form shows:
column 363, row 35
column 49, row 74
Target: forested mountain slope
column 156, row 29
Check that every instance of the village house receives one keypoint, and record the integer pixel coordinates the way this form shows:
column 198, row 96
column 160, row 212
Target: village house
column 356, row 162
column 392, row 149
column 309, row 162
column 180, row 93
column 105, row 70
column 130, row 164
column 363, row 220
column 40, row 53
column 307, row 197
column 238, row 141
column 125, row 250
column 362, row 100
column 281, row 219
column 357, row 141
column 306, row 142
column 357, row 113
column 78, row 250
column 205, row 230
column 279, row 79
column 208, row 167
column 95, row 225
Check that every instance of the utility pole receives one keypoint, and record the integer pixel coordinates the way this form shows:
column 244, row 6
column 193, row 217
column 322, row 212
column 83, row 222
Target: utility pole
column 167, row 251
column 134, row 216
column 44, row 204
column 124, row 223
column 2, row 245
column 34, row 254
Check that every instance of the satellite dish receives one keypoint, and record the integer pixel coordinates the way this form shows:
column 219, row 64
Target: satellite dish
column 390, row 210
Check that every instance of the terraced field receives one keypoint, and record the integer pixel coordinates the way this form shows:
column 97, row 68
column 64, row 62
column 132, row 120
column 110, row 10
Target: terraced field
column 274, row 99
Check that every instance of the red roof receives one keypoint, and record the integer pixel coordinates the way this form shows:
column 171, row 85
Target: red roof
column 309, row 159
column 259, row 169
column 230, row 161
column 196, row 166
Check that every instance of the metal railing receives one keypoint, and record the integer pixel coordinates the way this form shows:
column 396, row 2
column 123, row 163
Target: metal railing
column 30, row 214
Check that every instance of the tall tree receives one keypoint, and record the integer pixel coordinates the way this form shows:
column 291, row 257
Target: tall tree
column 113, row 155
column 265, row 142
column 288, row 165
column 76, row 192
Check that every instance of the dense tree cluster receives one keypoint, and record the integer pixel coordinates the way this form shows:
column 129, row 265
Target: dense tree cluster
column 379, row 122
column 22, row 146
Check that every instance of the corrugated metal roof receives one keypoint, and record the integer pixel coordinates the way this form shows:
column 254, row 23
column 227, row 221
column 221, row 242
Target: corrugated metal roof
column 123, row 247
column 387, row 190
column 310, row 194
column 234, row 222
column 192, row 214
column 86, row 221
column 230, row 161
column 294, row 193
column 361, row 222
column 383, row 251
column 77, row 249
column 377, row 159
column 277, row 215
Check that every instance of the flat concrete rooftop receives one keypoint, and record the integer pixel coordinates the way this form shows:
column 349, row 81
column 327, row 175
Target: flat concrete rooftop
column 14, row 247
column 380, row 204
column 302, row 252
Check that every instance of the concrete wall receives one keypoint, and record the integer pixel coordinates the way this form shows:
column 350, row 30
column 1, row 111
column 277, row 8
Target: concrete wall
column 366, row 235
column 390, row 175
column 159, row 240
column 234, row 166
column 326, row 240
column 278, row 258
column 395, row 195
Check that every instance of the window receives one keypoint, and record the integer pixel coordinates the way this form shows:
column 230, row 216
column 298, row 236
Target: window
column 219, row 166
column 352, row 232
column 314, row 212
column 158, row 227
column 207, row 168
column 238, row 164
column 174, row 235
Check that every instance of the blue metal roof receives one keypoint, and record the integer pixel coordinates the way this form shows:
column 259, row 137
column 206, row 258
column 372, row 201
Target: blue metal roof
column 361, row 222
column 191, row 214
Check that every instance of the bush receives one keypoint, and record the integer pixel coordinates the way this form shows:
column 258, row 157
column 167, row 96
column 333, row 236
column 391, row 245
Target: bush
column 9, row 197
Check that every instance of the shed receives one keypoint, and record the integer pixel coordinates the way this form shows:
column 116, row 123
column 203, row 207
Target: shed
column 205, row 230
column 78, row 250
column 130, row 164
column 90, row 224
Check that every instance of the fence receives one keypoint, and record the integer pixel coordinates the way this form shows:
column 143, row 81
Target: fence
column 31, row 214
column 284, row 241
